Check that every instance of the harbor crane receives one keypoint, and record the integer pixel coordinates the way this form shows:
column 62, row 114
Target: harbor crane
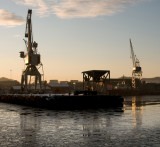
column 31, row 58
column 137, row 70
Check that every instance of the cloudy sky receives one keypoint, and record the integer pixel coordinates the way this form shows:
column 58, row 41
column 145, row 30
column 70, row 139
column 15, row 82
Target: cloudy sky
column 79, row 35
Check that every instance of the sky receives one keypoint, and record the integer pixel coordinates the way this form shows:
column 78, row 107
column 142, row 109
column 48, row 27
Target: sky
column 80, row 35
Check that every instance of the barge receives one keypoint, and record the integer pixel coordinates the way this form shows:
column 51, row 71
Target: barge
column 64, row 102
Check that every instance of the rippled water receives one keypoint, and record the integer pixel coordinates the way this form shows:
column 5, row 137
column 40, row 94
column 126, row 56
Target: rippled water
column 137, row 125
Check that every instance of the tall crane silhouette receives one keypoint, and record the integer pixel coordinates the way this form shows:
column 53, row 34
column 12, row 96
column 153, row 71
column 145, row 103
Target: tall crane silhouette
column 137, row 70
column 32, row 58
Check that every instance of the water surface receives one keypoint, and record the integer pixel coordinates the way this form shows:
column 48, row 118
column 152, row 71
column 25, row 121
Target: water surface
column 137, row 125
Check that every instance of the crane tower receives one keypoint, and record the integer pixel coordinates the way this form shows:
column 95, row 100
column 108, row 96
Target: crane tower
column 137, row 70
column 31, row 58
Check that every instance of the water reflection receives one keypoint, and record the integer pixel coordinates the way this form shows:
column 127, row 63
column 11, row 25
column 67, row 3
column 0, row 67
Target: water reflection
column 24, row 126
column 93, row 123
column 137, row 111
column 29, row 124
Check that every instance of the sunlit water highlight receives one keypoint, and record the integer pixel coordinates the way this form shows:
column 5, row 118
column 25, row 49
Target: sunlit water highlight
column 137, row 125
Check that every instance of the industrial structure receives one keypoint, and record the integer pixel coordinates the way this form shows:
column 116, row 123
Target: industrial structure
column 137, row 70
column 31, row 58
column 96, row 80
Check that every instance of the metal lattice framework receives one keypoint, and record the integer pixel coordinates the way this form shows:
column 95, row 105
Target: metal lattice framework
column 96, row 80
column 137, row 70
column 32, row 58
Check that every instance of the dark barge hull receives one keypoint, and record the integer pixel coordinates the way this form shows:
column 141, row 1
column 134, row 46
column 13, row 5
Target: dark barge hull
column 64, row 102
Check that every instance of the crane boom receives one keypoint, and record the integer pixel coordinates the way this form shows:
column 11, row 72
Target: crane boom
column 28, row 32
column 132, row 53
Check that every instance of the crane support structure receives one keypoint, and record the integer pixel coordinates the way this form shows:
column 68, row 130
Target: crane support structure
column 96, row 80
column 137, row 70
column 31, row 58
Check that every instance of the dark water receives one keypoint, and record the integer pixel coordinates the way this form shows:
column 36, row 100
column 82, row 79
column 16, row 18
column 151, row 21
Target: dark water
column 137, row 125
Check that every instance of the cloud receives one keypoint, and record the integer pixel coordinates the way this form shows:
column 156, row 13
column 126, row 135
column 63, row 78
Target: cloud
column 41, row 7
column 77, row 8
column 9, row 19
column 88, row 8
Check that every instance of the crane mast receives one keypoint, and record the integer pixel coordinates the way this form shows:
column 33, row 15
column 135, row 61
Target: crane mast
column 32, row 59
column 28, row 32
column 137, row 70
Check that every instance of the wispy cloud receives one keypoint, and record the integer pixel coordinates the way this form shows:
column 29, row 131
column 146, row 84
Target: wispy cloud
column 88, row 8
column 9, row 19
column 77, row 8
column 41, row 7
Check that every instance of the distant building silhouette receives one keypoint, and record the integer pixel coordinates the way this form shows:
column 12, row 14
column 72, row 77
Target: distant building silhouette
column 53, row 81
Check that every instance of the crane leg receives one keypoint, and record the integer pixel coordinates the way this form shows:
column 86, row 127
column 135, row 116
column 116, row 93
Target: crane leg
column 40, row 83
column 26, row 76
column 22, row 81
column 35, row 82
